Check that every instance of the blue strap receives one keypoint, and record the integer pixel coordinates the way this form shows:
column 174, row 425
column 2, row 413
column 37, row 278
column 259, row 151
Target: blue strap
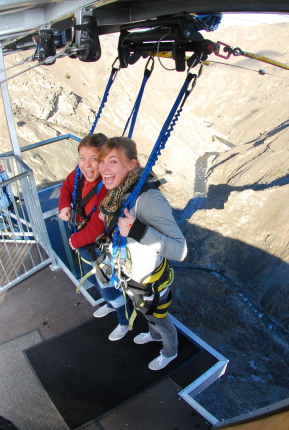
column 74, row 195
column 119, row 242
column 111, row 79
column 133, row 116
column 161, row 141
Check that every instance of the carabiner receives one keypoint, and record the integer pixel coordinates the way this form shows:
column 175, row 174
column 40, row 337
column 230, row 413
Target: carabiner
column 114, row 70
column 151, row 58
column 194, row 78
column 113, row 67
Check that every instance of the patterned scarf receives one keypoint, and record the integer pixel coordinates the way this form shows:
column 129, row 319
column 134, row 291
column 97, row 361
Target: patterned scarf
column 113, row 199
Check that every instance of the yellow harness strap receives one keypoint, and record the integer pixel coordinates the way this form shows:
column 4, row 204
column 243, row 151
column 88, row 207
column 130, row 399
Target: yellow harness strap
column 155, row 309
column 134, row 315
column 162, row 310
column 162, row 276
column 92, row 272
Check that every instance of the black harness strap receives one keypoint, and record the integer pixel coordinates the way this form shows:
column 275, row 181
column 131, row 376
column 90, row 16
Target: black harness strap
column 88, row 196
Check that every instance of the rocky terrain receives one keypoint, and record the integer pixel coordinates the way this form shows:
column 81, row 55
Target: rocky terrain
column 227, row 171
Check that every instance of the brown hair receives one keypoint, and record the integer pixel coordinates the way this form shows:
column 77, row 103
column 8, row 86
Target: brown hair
column 93, row 140
column 123, row 145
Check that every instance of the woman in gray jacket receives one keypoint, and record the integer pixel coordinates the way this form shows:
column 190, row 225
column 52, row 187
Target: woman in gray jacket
column 153, row 236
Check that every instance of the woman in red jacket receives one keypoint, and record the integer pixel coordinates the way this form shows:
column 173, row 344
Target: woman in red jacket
column 81, row 193
column 80, row 197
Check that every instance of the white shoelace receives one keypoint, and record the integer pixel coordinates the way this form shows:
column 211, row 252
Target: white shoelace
column 160, row 359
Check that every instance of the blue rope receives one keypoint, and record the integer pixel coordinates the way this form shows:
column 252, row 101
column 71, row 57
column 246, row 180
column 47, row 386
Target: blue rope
column 161, row 141
column 104, row 99
column 133, row 116
column 119, row 242
column 74, row 193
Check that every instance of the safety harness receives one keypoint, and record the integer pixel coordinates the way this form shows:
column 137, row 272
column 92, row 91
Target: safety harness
column 151, row 286
column 78, row 202
column 105, row 273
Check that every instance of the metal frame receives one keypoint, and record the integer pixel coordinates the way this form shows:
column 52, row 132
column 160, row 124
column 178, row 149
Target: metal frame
column 7, row 106
column 258, row 414
column 44, row 142
column 204, row 381
column 22, row 176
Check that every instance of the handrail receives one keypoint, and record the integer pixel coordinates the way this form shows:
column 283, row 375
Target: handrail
column 42, row 143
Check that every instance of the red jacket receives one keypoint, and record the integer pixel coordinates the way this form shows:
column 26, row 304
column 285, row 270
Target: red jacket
column 94, row 226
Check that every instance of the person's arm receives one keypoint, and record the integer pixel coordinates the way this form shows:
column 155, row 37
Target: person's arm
column 94, row 228
column 156, row 227
column 65, row 197
column 66, row 190
column 7, row 188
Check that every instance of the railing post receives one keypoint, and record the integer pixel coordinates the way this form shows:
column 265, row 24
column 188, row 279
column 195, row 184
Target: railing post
column 7, row 106
column 32, row 203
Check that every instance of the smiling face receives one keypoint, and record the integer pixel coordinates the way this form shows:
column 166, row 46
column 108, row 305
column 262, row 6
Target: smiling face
column 114, row 167
column 88, row 162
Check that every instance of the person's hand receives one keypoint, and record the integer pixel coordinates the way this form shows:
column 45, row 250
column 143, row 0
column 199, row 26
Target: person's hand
column 125, row 223
column 64, row 214
column 101, row 216
column 70, row 244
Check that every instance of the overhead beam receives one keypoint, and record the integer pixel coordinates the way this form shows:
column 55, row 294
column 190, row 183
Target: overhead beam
column 17, row 23
column 141, row 10
column 113, row 13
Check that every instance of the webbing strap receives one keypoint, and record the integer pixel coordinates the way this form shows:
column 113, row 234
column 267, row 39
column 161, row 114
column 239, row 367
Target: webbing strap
column 111, row 79
column 133, row 116
column 132, row 319
column 163, row 310
column 92, row 272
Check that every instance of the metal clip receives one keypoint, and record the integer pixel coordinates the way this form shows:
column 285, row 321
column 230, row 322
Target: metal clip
column 226, row 49
column 151, row 58
column 194, row 79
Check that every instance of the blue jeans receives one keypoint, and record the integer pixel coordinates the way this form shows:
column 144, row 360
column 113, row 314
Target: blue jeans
column 114, row 297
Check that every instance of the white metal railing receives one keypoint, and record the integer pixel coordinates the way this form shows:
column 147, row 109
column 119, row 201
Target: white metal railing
column 24, row 243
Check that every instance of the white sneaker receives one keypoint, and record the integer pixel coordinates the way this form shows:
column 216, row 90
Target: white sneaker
column 119, row 332
column 103, row 311
column 161, row 361
column 142, row 338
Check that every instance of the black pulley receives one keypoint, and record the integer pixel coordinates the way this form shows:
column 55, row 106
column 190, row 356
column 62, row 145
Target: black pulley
column 47, row 46
column 89, row 43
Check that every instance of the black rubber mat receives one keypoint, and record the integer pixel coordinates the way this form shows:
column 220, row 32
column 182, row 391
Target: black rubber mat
column 86, row 375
